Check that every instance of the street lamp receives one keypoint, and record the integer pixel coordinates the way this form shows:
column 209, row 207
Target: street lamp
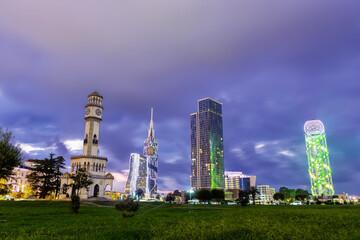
column 191, row 191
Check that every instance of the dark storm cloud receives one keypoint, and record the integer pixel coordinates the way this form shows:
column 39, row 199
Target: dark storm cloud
column 274, row 65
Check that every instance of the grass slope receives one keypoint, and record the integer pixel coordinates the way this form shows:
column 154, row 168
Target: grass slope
column 53, row 220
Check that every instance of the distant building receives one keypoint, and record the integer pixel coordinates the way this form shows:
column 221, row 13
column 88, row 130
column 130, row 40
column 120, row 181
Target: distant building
column 266, row 194
column 207, row 146
column 137, row 177
column 318, row 159
column 238, row 180
column 18, row 179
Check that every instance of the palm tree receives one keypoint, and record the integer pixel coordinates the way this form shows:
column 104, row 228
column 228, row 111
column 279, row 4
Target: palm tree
column 253, row 191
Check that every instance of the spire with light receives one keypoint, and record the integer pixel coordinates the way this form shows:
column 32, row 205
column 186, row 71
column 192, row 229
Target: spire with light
column 151, row 133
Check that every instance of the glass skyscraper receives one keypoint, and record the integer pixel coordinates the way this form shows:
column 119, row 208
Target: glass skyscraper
column 137, row 177
column 318, row 158
column 207, row 146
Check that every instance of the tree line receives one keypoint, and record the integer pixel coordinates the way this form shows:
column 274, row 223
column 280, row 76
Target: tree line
column 44, row 176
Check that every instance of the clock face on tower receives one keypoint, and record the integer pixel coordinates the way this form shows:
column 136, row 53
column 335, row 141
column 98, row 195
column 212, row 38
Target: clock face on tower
column 98, row 112
column 150, row 150
column 87, row 111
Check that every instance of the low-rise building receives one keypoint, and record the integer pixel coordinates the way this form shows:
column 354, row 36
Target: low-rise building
column 238, row 180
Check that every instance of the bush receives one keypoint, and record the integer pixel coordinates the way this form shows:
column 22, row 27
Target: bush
column 243, row 198
column 127, row 205
column 75, row 203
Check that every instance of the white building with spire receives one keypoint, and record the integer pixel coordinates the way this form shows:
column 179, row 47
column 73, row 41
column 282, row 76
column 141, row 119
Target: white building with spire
column 151, row 153
column 143, row 167
column 94, row 164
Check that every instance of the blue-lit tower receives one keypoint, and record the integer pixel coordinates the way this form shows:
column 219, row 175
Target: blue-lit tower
column 207, row 146
column 151, row 152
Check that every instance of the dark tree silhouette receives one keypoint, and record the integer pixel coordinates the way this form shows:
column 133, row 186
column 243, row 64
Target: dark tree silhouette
column 218, row 194
column 203, row 195
column 253, row 191
column 279, row 196
column 243, row 198
column 80, row 180
column 177, row 193
column 10, row 157
column 170, row 198
column 44, row 176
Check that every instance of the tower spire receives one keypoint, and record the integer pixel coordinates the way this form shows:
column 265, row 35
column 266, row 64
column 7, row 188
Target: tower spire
column 151, row 133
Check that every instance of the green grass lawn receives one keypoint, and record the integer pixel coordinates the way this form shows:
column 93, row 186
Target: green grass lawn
column 54, row 220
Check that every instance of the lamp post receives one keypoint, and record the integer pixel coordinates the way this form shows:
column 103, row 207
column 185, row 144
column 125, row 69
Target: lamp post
column 191, row 191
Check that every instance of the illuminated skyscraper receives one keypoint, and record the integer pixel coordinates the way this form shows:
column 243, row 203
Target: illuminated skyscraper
column 143, row 168
column 318, row 158
column 137, row 177
column 207, row 146
column 151, row 152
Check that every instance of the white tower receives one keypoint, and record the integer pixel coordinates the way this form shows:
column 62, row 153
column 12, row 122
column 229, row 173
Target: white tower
column 90, row 159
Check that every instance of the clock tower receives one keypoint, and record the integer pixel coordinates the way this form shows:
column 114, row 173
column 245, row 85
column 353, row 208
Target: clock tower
column 93, row 116
column 90, row 160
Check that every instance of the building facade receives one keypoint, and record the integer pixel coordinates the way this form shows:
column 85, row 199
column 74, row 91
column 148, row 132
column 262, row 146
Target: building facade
column 138, row 174
column 18, row 179
column 207, row 146
column 90, row 160
column 239, row 181
column 318, row 158
column 266, row 194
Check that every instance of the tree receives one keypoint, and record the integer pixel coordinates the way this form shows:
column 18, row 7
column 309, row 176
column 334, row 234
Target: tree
column 218, row 194
column 288, row 193
column 203, row 195
column 301, row 197
column 80, row 180
column 75, row 203
column 45, row 175
column 170, row 198
column 177, row 193
column 140, row 193
column 127, row 205
column 253, row 191
column 10, row 156
column 243, row 198
column 300, row 191
column 279, row 196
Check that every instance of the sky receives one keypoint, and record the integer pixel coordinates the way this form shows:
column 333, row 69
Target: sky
column 273, row 64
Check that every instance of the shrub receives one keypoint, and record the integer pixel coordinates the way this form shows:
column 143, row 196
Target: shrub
column 127, row 205
column 243, row 198
column 75, row 203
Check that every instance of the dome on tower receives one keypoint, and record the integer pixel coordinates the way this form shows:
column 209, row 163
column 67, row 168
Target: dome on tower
column 109, row 175
column 95, row 94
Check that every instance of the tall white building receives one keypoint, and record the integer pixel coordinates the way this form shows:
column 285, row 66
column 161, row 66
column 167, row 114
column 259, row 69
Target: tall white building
column 90, row 160
column 266, row 194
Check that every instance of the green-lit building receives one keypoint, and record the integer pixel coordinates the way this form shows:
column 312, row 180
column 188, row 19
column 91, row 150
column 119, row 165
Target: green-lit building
column 207, row 146
column 318, row 159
